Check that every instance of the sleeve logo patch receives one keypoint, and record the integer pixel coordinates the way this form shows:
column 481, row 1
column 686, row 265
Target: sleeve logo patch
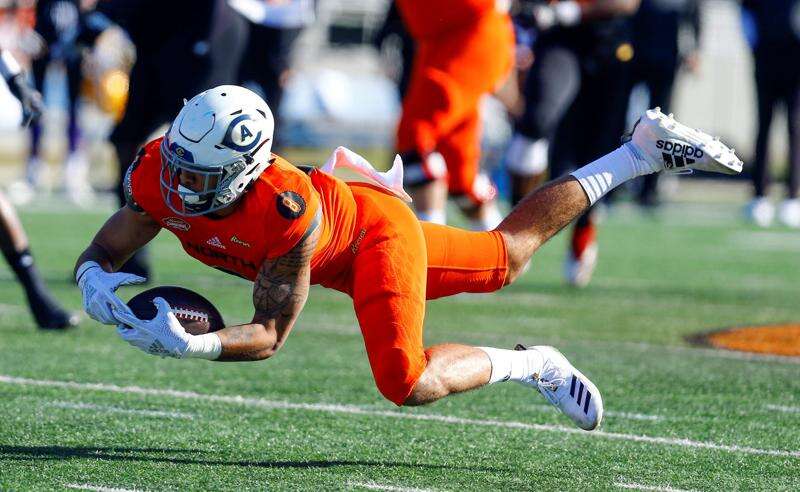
column 291, row 205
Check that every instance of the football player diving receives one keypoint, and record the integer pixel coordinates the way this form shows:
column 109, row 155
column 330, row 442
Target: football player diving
column 212, row 181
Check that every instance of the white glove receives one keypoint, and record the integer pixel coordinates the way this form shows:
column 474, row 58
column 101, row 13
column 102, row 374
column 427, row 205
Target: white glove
column 98, row 287
column 165, row 336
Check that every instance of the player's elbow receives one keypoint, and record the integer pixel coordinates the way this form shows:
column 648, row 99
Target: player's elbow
column 264, row 342
column 273, row 349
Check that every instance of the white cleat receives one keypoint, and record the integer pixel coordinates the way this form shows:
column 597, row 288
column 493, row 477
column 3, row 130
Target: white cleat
column 566, row 388
column 760, row 211
column 578, row 271
column 667, row 144
column 789, row 213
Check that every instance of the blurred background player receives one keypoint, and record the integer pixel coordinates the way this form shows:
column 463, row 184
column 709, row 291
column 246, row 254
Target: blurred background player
column 659, row 52
column 58, row 24
column 463, row 51
column 575, row 100
column 14, row 243
column 772, row 28
column 274, row 27
column 397, row 47
column 182, row 48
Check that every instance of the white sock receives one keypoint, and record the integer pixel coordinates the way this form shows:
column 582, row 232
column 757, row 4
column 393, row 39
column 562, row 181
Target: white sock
column 435, row 216
column 611, row 170
column 527, row 157
column 513, row 365
column 490, row 221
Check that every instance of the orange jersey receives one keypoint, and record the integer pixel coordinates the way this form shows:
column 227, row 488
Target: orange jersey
column 430, row 18
column 282, row 206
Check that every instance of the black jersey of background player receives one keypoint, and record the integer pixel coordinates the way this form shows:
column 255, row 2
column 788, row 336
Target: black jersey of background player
column 655, row 28
column 777, row 22
column 58, row 22
column 600, row 38
column 156, row 25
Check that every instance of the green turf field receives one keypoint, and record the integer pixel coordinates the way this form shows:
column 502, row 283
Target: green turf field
column 84, row 410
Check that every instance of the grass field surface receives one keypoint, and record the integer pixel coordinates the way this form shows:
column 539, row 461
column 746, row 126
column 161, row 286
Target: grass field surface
column 83, row 410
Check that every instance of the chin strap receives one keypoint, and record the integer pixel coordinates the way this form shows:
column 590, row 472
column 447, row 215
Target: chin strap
column 391, row 180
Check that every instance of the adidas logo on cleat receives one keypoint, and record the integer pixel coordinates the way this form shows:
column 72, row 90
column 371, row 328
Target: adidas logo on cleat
column 678, row 155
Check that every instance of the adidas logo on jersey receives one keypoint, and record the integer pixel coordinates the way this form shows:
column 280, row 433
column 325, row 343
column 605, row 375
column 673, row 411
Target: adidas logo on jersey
column 677, row 155
column 214, row 241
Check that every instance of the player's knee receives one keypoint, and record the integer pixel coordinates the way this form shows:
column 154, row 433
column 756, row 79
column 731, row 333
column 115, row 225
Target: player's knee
column 518, row 259
column 428, row 389
column 397, row 375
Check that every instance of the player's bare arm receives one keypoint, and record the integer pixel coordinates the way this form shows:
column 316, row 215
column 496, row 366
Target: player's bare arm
column 279, row 294
column 122, row 235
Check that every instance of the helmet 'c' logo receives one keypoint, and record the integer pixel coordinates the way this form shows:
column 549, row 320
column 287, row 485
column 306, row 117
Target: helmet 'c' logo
column 239, row 136
column 181, row 152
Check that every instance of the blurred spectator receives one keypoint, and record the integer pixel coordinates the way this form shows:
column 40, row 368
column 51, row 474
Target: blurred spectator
column 463, row 51
column 575, row 98
column 397, row 47
column 275, row 26
column 658, row 54
column 182, row 48
column 58, row 25
column 772, row 28
column 46, row 311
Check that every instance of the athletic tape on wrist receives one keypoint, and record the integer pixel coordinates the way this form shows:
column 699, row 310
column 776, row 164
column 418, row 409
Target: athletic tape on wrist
column 207, row 346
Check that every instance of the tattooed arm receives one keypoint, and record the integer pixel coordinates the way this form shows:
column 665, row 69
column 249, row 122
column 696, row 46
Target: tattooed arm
column 279, row 293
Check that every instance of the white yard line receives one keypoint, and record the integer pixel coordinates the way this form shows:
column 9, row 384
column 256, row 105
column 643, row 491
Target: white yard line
column 778, row 241
column 609, row 413
column 638, row 486
column 782, row 408
column 354, row 410
column 379, row 486
column 97, row 488
column 112, row 409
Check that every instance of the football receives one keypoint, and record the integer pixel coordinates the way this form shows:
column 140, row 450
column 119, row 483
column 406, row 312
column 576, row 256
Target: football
column 196, row 313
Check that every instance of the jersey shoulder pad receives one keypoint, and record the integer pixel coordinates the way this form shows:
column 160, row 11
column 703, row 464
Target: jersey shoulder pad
column 127, row 184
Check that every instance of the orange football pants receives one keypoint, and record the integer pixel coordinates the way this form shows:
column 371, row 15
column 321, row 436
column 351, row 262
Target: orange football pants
column 398, row 264
column 451, row 72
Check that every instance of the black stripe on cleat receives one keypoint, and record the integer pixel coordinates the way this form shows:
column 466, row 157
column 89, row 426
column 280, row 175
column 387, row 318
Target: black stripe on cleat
column 572, row 387
column 580, row 393
column 586, row 403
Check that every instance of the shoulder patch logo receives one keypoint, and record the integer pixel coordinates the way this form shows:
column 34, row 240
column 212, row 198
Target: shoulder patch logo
column 176, row 223
column 291, row 205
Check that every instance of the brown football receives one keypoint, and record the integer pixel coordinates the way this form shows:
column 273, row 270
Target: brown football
column 195, row 312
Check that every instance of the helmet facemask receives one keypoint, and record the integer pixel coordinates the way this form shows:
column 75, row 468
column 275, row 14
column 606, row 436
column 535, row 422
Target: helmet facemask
column 216, row 191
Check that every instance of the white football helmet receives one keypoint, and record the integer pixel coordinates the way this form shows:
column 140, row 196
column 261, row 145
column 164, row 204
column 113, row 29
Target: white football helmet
column 223, row 134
